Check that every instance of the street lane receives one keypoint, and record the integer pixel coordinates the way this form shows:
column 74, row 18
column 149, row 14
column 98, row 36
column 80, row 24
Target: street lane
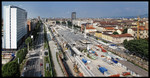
column 33, row 66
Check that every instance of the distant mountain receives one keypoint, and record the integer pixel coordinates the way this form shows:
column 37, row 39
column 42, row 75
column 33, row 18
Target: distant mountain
column 144, row 16
column 141, row 16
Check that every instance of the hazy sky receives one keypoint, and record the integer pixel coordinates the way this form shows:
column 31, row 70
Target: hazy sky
column 82, row 9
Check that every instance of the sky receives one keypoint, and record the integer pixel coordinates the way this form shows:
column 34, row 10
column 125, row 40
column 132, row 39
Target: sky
column 95, row 9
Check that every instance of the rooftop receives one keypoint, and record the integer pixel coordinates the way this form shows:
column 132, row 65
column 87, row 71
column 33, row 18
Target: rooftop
column 122, row 35
column 90, row 28
column 109, row 28
column 140, row 28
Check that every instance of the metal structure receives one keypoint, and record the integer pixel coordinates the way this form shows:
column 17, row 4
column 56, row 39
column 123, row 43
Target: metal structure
column 138, row 19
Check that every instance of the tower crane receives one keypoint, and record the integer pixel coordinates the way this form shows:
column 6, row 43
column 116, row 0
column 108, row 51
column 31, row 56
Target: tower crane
column 138, row 19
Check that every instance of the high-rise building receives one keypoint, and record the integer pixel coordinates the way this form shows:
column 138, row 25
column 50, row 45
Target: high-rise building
column 73, row 16
column 15, row 26
column 38, row 17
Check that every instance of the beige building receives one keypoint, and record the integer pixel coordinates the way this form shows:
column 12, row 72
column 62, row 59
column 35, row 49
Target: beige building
column 90, row 29
column 119, row 31
column 120, row 38
column 117, row 39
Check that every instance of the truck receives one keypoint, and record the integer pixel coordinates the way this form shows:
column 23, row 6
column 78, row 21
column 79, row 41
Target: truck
column 103, row 70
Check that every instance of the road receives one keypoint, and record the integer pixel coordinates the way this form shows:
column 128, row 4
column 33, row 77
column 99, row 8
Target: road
column 35, row 58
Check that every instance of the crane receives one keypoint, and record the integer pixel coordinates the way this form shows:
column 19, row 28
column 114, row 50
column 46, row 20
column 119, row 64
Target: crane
column 138, row 19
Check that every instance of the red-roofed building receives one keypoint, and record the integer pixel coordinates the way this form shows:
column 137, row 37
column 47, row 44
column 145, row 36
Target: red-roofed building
column 121, row 37
column 90, row 29
column 117, row 38
column 109, row 28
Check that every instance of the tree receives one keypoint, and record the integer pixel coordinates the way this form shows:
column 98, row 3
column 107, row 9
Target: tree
column 115, row 33
column 138, row 47
column 69, row 23
column 125, row 31
column 27, row 41
column 57, row 22
column 21, row 54
column 63, row 22
column 11, row 69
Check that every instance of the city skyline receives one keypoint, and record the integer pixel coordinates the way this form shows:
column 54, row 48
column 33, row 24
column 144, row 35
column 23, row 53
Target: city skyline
column 83, row 9
column 73, row 43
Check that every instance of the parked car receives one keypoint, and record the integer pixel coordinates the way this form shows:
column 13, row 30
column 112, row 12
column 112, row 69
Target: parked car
column 41, row 64
column 25, row 68
column 22, row 75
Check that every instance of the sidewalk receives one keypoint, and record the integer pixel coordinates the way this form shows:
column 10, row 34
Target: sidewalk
column 53, row 52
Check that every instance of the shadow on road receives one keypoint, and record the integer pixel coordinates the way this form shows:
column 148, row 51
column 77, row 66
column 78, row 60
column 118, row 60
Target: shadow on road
column 67, row 68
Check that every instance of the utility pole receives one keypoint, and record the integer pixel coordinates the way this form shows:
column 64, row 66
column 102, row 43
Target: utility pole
column 85, row 32
column 138, row 19
column 18, row 60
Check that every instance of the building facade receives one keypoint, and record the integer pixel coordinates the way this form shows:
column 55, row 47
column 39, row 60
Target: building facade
column 15, row 26
column 73, row 16
column 143, row 32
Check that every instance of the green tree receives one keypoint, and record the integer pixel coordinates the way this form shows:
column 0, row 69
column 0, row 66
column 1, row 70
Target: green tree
column 138, row 47
column 57, row 22
column 21, row 54
column 45, row 45
column 63, row 22
column 28, row 41
column 115, row 33
column 69, row 23
column 125, row 31
column 11, row 69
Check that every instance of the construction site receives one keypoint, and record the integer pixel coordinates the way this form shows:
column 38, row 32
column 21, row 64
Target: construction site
column 87, row 57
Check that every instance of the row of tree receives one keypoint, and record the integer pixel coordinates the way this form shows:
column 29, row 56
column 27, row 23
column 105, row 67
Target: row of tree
column 137, row 47
column 12, row 68
column 36, row 29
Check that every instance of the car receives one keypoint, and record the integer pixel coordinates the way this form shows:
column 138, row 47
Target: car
column 25, row 68
column 41, row 64
column 41, row 75
column 22, row 75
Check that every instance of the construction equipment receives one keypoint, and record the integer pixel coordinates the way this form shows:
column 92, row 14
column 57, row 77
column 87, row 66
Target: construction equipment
column 75, row 68
column 80, row 74
column 116, row 75
column 125, row 73
column 138, row 19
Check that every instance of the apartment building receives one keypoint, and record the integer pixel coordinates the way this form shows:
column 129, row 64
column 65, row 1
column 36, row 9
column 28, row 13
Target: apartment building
column 143, row 32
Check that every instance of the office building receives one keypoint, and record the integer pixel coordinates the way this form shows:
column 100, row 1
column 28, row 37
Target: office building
column 15, row 27
column 73, row 16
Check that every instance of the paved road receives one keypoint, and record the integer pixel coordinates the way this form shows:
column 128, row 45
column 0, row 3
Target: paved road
column 33, row 64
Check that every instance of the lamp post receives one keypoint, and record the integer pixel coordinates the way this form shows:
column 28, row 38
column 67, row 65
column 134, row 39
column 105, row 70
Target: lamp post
column 18, row 60
column 32, row 39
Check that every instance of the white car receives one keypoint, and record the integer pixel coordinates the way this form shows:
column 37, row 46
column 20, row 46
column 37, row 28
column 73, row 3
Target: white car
column 25, row 68
column 22, row 75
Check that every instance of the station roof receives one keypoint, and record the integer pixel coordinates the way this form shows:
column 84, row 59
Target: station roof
column 77, row 51
column 85, row 41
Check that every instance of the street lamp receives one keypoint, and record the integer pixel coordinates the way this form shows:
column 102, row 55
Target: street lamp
column 32, row 39
column 18, row 60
